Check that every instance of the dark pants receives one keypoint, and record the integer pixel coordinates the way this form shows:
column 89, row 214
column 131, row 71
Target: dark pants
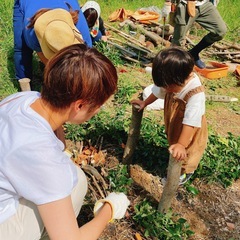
column 22, row 53
column 206, row 15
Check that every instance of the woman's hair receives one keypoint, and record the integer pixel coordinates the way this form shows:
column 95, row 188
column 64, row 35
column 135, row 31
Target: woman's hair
column 91, row 16
column 41, row 11
column 172, row 65
column 78, row 72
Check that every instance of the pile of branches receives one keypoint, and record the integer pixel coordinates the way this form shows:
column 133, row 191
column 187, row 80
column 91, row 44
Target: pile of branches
column 141, row 42
column 227, row 51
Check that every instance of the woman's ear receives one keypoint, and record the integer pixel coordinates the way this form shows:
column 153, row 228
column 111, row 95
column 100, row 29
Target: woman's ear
column 78, row 105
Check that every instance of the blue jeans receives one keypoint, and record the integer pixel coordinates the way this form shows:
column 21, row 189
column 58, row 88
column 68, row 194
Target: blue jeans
column 22, row 53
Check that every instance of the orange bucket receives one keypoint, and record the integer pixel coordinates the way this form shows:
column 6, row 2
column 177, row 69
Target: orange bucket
column 213, row 70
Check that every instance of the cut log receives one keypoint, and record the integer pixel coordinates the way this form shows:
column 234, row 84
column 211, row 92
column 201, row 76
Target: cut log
column 133, row 135
column 172, row 183
column 151, row 184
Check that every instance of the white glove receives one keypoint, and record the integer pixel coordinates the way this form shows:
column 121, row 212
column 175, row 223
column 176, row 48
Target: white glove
column 119, row 203
column 166, row 9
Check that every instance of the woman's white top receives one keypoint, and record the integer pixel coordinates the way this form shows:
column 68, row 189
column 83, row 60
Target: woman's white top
column 32, row 162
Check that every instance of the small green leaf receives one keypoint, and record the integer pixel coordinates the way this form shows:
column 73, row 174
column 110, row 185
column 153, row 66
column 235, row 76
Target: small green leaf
column 192, row 190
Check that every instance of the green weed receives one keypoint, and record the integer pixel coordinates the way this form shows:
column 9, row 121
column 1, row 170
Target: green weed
column 119, row 179
column 161, row 226
column 221, row 161
column 110, row 52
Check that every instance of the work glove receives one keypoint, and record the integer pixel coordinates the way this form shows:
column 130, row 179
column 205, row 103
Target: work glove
column 119, row 203
column 166, row 9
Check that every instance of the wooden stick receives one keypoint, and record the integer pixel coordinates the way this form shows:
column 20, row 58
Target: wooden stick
column 225, row 53
column 169, row 190
column 123, row 34
column 133, row 135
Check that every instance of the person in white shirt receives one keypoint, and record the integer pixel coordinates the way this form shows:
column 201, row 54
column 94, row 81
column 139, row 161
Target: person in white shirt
column 184, row 107
column 41, row 189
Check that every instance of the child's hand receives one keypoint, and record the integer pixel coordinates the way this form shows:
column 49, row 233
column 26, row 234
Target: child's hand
column 140, row 103
column 178, row 151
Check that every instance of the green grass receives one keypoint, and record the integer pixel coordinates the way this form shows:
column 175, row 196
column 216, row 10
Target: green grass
column 6, row 49
column 229, row 10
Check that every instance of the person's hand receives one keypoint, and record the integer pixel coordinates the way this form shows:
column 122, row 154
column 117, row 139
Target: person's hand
column 178, row 151
column 166, row 9
column 119, row 204
column 104, row 38
column 140, row 104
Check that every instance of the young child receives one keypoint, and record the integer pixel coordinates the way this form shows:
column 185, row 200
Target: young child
column 184, row 107
column 91, row 10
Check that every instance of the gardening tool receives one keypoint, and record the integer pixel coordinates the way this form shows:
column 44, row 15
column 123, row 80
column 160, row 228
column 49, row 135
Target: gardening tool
column 163, row 31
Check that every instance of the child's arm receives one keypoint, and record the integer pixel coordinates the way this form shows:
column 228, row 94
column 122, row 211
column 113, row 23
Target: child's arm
column 142, row 104
column 178, row 150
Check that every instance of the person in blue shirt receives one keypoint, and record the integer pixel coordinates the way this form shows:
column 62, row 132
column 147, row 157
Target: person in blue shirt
column 25, row 39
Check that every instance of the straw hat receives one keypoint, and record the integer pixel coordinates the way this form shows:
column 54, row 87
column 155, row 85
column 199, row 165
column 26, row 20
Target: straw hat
column 91, row 4
column 55, row 30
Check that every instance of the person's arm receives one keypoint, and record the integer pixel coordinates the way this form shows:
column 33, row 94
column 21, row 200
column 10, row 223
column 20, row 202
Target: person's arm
column 178, row 150
column 101, row 26
column 186, row 135
column 142, row 104
column 60, row 221
column 82, row 26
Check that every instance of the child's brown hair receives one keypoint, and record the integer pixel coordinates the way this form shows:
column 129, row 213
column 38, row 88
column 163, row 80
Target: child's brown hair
column 172, row 66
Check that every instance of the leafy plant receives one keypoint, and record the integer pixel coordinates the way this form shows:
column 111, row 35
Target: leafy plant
column 106, row 124
column 119, row 179
column 221, row 161
column 110, row 52
column 162, row 226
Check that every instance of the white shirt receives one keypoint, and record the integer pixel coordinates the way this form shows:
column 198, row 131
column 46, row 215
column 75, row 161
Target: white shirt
column 195, row 107
column 32, row 162
column 197, row 3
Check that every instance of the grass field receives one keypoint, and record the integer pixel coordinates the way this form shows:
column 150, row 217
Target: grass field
column 229, row 10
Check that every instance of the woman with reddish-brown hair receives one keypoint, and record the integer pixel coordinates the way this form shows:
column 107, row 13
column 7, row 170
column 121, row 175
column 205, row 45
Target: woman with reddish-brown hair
column 41, row 189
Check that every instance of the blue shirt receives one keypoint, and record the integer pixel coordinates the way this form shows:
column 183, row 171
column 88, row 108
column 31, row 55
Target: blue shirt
column 30, row 7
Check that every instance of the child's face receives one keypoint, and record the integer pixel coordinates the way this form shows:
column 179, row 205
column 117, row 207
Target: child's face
column 174, row 88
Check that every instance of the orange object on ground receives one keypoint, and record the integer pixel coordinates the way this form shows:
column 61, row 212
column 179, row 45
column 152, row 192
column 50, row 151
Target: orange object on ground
column 120, row 14
column 146, row 17
column 213, row 70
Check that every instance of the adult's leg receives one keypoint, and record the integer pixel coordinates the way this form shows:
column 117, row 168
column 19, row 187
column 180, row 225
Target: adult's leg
column 77, row 196
column 182, row 24
column 210, row 19
column 22, row 53
column 26, row 224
